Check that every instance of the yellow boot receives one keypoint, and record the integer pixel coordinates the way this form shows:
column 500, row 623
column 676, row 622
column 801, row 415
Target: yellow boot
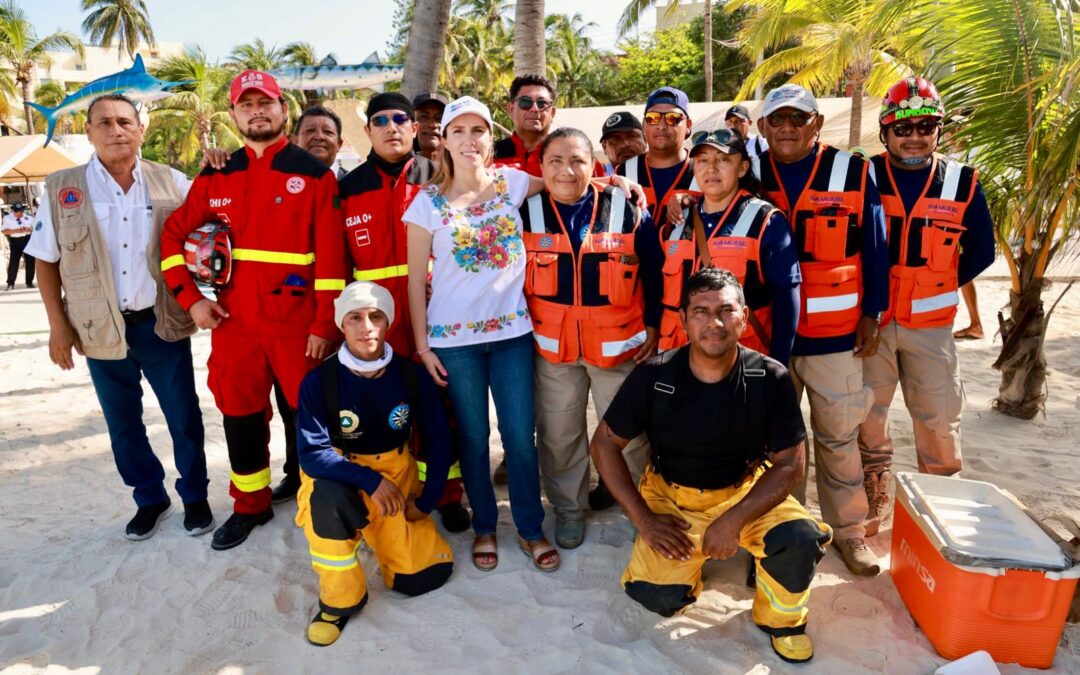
column 793, row 648
column 325, row 629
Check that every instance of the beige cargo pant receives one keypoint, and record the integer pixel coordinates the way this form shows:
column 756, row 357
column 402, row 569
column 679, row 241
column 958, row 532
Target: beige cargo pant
column 562, row 434
column 838, row 405
column 923, row 361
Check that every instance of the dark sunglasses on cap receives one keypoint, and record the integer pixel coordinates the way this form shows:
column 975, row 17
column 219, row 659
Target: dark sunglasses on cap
column 924, row 127
column 400, row 119
column 671, row 118
column 797, row 118
column 718, row 136
column 527, row 103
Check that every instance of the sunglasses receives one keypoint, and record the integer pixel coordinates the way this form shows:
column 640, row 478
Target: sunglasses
column 924, row 127
column 797, row 118
column 718, row 136
column 400, row 119
column 672, row 118
column 527, row 103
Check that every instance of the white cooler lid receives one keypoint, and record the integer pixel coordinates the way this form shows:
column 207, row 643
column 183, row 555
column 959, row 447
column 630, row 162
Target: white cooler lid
column 980, row 525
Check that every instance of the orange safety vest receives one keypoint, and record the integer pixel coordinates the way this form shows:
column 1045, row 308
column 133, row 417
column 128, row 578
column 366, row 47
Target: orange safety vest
column 589, row 305
column 738, row 251
column 827, row 222
column 636, row 170
column 924, row 245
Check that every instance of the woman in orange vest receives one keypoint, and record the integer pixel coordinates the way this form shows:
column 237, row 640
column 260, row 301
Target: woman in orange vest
column 733, row 229
column 592, row 283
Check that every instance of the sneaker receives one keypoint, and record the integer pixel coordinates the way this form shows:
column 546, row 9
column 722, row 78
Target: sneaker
column 569, row 532
column 793, row 648
column 600, row 498
column 325, row 629
column 198, row 519
column 236, row 529
column 500, row 474
column 858, row 558
column 879, row 488
column 146, row 521
column 455, row 517
column 286, row 490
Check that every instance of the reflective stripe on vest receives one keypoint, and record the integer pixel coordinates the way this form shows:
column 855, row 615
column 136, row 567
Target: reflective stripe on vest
column 631, row 170
column 618, row 347
column 275, row 257
column 547, row 344
column 536, row 214
column 951, row 182
column 838, row 177
column 616, row 212
column 833, row 303
column 382, row 273
column 935, row 302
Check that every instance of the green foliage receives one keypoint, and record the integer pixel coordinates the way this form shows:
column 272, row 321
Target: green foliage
column 126, row 21
column 668, row 58
column 730, row 66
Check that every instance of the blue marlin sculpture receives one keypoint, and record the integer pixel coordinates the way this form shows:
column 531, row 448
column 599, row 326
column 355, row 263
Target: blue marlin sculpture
column 329, row 75
column 135, row 83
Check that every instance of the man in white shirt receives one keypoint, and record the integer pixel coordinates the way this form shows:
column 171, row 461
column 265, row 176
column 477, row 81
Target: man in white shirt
column 96, row 237
column 16, row 227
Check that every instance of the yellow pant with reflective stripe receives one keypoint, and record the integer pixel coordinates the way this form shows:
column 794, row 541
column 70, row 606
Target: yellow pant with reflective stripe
column 401, row 547
column 775, row 607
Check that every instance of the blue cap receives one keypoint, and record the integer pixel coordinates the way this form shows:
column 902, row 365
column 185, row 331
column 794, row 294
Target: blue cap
column 671, row 96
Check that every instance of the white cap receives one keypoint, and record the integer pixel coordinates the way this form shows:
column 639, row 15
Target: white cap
column 362, row 295
column 789, row 96
column 463, row 106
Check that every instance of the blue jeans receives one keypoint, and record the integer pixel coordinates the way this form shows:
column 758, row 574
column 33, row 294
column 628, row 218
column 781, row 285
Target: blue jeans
column 506, row 366
column 168, row 368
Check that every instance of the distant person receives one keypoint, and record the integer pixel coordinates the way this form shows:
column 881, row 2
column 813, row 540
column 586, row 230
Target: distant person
column 318, row 130
column 622, row 138
column 728, row 447
column 95, row 238
column 737, row 118
column 974, row 330
column 16, row 227
column 428, row 108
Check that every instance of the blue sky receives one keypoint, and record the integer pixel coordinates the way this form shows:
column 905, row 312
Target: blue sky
column 351, row 29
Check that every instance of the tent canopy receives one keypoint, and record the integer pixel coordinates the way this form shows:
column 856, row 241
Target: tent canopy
column 24, row 159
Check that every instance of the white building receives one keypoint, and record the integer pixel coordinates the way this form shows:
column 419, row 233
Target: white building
column 69, row 68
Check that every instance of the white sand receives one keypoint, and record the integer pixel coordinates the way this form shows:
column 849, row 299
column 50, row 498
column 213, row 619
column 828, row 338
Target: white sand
column 76, row 596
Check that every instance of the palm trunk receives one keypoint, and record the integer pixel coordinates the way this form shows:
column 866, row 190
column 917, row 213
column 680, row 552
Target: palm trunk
column 529, row 45
column 26, row 108
column 427, row 40
column 855, row 129
column 708, row 51
column 1022, row 362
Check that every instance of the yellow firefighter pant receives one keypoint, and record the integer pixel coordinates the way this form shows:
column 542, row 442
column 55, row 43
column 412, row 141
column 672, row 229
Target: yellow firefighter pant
column 413, row 556
column 786, row 543
column 923, row 361
column 839, row 402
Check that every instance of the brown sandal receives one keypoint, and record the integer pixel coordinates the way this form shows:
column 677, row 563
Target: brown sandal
column 544, row 555
column 485, row 548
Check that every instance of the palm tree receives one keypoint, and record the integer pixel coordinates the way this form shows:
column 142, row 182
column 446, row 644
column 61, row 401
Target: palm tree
column 21, row 49
column 128, row 20
column 1012, row 67
column 631, row 16
column 51, row 94
column 255, row 56
column 529, row 46
column 427, row 40
column 196, row 116
column 574, row 64
column 863, row 45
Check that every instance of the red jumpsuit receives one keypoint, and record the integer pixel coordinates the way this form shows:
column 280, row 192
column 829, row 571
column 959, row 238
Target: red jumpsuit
column 511, row 152
column 288, row 266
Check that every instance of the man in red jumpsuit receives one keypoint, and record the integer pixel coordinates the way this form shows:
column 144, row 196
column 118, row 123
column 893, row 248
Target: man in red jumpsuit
column 275, row 319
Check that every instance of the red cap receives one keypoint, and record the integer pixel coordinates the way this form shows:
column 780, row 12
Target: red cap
column 253, row 79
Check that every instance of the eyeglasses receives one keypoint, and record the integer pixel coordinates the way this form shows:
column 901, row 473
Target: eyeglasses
column 527, row 103
column 924, row 127
column 797, row 118
column 672, row 118
column 400, row 119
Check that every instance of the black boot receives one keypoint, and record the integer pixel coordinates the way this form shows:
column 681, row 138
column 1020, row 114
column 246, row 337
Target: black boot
column 600, row 498
column 286, row 489
column 236, row 529
column 455, row 517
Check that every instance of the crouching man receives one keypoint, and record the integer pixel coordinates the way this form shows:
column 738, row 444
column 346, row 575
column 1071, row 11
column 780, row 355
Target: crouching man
column 356, row 415
column 727, row 448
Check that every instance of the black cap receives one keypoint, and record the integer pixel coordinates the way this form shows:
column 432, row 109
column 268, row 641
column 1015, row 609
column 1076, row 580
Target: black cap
column 623, row 120
column 389, row 100
column 18, row 206
column 429, row 97
column 738, row 111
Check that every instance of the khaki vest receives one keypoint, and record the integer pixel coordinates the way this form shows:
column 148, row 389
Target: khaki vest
column 86, row 269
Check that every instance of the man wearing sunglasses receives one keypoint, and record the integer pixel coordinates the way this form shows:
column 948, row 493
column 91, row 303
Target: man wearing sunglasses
column 666, row 167
column 940, row 238
column 373, row 198
column 834, row 208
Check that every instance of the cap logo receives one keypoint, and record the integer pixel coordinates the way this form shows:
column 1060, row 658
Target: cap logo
column 916, row 112
column 614, row 119
column 253, row 79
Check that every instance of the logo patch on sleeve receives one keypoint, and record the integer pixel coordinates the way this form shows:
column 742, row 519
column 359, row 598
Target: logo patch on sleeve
column 295, row 185
column 70, row 198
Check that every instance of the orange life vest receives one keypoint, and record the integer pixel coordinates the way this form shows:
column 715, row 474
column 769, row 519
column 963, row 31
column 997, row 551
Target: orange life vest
column 924, row 245
column 636, row 170
column 827, row 223
column 589, row 305
column 738, row 251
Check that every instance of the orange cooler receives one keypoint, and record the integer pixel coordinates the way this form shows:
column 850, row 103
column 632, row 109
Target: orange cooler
column 977, row 573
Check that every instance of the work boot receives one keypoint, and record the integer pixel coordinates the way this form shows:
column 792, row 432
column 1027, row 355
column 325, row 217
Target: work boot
column 236, row 529
column 198, row 518
column 455, row 517
column 146, row 521
column 325, row 629
column 879, row 487
column 569, row 531
column 600, row 498
column 793, row 648
column 286, row 490
column 500, row 474
column 858, row 557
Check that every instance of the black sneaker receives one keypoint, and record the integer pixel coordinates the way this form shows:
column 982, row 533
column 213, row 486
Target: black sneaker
column 600, row 498
column 236, row 529
column 286, row 490
column 198, row 519
column 455, row 517
column 146, row 521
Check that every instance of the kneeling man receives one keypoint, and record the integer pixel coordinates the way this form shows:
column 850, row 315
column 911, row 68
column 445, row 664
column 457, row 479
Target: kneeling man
column 727, row 448
column 356, row 416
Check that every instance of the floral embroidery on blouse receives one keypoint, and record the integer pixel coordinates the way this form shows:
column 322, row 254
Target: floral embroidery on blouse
column 493, row 242
column 481, row 326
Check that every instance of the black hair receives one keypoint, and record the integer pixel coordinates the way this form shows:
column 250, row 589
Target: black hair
column 565, row 132
column 110, row 97
column 317, row 111
column 531, row 80
column 710, row 279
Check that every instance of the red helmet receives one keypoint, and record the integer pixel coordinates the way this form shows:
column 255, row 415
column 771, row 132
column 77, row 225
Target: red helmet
column 911, row 97
column 208, row 254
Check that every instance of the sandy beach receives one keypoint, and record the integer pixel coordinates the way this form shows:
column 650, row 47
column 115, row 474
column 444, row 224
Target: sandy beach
column 75, row 596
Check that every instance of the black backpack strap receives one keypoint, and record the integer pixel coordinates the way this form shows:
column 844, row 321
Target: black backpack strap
column 754, row 375
column 331, row 399
column 663, row 390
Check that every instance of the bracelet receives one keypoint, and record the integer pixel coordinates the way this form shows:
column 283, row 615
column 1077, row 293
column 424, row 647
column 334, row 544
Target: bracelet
column 421, row 352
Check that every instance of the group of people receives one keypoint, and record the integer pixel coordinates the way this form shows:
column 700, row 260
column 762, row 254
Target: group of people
column 696, row 286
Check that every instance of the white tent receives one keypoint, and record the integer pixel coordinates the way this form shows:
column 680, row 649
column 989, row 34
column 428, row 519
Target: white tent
column 25, row 159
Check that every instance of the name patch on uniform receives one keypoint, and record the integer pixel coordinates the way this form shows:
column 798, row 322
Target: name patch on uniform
column 607, row 241
column 826, row 199
column 71, row 198
column 362, row 237
column 399, row 417
column 295, row 185
column 943, row 208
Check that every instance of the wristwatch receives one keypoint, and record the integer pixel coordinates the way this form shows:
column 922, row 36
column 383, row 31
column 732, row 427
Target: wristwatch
column 876, row 316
